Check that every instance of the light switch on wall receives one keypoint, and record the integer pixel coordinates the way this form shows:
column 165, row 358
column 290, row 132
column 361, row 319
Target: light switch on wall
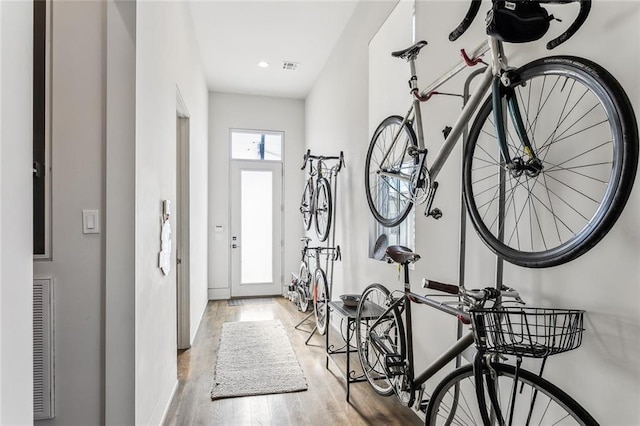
column 90, row 221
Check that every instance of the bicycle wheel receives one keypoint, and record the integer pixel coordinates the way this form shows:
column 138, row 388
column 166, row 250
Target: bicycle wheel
column 303, row 287
column 389, row 170
column 535, row 400
column 388, row 333
column 306, row 205
column 584, row 133
column 320, row 299
column 323, row 209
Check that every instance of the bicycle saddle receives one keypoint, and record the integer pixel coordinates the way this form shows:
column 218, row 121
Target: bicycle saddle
column 402, row 255
column 410, row 52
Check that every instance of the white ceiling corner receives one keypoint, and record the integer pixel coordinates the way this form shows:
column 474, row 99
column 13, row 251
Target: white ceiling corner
column 233, row 36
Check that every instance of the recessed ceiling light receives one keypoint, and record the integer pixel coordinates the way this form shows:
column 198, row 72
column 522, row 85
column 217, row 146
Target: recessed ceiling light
column 263, row 64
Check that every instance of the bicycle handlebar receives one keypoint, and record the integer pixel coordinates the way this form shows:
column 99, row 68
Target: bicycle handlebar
column 478, row 295
column 308, row 156
column 585, row 8
column 474, row 7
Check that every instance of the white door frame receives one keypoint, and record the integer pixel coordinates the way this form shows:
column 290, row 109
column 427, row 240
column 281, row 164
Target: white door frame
column 255, row 289
column 183, row 284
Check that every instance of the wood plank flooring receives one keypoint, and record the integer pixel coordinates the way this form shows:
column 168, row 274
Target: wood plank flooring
column 324, row 403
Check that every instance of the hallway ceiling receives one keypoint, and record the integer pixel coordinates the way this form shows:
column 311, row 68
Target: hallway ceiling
column 233, row 36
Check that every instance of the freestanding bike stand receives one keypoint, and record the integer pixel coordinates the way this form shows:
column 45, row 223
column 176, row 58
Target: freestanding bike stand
column 463, row 216
column 332, row 250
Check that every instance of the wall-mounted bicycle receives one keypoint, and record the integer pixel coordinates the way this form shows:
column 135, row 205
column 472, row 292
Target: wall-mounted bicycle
column 551, row 155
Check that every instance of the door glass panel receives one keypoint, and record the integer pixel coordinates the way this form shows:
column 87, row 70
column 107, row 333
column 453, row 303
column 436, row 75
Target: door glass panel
column 256, row 246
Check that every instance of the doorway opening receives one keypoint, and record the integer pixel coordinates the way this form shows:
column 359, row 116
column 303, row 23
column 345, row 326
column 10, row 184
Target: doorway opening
column 183, row 302
column 256, row 213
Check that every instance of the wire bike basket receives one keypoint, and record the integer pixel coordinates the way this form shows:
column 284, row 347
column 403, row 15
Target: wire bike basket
column 527, row 332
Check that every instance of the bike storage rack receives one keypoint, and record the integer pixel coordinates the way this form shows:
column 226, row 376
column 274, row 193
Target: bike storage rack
column 329, row 250
column 463, row 219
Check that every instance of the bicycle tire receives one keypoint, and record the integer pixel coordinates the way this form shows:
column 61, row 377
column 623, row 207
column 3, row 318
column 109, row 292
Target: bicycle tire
column 303, row 287
column 454, row 400
column 391, row 330
column 321, row 298
column 587, row 141
column 390, row 199
column 306, row 204
column 323, row 209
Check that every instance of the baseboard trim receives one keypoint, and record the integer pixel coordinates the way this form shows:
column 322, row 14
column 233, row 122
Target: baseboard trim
column 219, row 293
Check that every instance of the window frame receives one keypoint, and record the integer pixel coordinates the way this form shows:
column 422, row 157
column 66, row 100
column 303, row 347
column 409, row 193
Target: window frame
column 44, row 169
column 234, row 130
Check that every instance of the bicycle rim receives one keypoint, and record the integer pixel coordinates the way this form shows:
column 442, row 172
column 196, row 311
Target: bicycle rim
column 530, row 400
column 389, row 170
column 306, row 204
column 303, row 287
column 320, row 300
column 389, row 331
column 583, row 131
column 323, row 209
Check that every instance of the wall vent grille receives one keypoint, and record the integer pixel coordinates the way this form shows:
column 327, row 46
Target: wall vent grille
column 43, row 374
column 290, row 66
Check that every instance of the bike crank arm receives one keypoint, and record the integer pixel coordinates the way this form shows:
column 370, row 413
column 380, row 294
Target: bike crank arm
column 399, row 176
column 431, row 194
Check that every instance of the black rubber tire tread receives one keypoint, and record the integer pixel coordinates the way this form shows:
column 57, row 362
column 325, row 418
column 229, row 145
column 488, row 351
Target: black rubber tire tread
column 323, row 234
column 359, row 337
column 548, row 388
column 629, row 132
column 321, row 321
column 387, row 222
column 308, row 189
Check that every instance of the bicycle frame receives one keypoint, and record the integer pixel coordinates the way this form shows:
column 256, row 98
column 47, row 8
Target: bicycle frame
column 490, row 76
column 455, row 350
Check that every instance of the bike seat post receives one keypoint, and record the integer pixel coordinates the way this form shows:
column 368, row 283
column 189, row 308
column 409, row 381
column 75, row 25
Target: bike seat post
column 405, row 267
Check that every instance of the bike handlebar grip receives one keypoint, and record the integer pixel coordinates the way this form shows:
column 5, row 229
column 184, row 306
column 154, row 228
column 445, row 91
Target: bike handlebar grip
column 306, row 158
column 445, row 288
column 585, row 8
column 474, row 7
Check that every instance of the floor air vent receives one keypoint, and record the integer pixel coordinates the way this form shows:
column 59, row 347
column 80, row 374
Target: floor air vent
column 43, row 349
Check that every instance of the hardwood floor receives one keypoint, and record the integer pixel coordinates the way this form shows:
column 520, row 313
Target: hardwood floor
column 324, row 403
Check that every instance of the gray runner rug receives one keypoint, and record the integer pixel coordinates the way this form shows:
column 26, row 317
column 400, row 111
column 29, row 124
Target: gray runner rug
column 256, row 358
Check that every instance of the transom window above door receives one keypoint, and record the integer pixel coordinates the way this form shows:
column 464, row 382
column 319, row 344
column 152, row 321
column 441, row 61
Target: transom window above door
column 256, row 145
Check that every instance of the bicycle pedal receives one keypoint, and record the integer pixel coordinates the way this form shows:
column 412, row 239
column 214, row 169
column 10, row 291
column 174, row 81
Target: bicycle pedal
column 394, row 365
column 422, row 405
column 435, row 213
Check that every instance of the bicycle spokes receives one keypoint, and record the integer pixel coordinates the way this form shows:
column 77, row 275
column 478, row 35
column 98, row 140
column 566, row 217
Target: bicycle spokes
column 540, row 192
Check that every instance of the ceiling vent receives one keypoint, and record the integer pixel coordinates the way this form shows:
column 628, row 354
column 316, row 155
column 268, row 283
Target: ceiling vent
column 291, row 66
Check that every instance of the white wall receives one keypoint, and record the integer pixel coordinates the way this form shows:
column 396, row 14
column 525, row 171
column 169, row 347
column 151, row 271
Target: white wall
column 114, row 143
column 119, row 294
column 16, row 272
column 166, row 58
column 78, row 101
column 603, row 281
column 227, row 111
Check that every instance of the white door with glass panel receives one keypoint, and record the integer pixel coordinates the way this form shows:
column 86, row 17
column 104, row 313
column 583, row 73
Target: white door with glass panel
column 256, row 220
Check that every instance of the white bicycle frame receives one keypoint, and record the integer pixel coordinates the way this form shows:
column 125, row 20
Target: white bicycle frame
column 498, row 64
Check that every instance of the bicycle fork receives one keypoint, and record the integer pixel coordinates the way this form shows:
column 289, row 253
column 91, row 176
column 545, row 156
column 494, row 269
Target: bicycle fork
column 502, row 89
column 495, row 415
